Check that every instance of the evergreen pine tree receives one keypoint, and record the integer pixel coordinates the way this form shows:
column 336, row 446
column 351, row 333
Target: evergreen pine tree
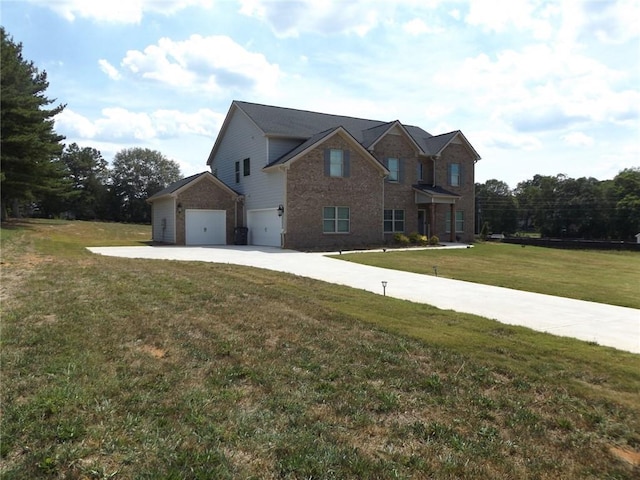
column 29, row 153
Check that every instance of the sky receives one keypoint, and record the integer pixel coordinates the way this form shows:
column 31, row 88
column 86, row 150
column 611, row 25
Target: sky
column 537, row 87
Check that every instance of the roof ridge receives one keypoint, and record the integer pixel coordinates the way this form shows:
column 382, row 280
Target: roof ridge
column 313, row 112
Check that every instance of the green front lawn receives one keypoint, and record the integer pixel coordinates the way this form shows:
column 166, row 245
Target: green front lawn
column 611, row 277
column 121, row 368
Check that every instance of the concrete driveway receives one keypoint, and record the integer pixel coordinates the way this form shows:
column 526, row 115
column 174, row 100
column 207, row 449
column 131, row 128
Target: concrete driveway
column 607, row 325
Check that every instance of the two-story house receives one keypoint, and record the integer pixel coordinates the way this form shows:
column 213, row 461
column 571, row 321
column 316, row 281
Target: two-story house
column 307, row 180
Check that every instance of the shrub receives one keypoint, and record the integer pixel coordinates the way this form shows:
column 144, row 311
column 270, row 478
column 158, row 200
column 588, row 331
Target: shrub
column 434, row 240
column 418, row 239
column 484, row 233
column 401, row 239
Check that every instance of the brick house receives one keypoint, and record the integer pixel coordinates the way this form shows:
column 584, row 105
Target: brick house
column 306, row 180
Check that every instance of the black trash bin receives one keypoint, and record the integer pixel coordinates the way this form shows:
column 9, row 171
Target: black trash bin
column 241, row 235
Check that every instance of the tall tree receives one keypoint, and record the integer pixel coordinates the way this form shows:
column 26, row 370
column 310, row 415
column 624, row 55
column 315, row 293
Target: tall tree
column 30, row 148
column 627, row 209
column 89, row 175
column 496, row 206
column 138, row 173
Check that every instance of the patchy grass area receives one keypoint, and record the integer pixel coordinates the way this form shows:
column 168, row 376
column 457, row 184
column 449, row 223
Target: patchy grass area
column 611, row 277
column 119, row 368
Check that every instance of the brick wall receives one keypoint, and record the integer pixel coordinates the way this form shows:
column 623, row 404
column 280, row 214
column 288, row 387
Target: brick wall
column 309, row 190
column 399, row 195
column 205, row 194
column 457, row 153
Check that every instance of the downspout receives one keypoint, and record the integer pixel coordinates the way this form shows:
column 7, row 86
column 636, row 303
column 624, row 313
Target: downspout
column 383, row 182
column 434, row 158
column 283, row 225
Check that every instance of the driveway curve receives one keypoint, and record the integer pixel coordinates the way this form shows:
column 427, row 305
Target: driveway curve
column 607, row 325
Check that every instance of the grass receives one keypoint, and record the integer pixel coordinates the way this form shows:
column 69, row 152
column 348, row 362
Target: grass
column 120, row 368
column 611, row 277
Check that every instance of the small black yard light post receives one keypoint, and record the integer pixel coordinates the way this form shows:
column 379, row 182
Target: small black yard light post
column 435, row 270
column 384, row 288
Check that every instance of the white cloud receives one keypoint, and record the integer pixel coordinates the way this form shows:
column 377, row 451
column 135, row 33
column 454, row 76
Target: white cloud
column 117, row 11
column 213, row 64
column 120, row 124
column 503, row 140
column 109, row 69
column 500, row 16
column 418, row 27
column 290, row 19
column 578, row 139
column 538, row 88
column 71, row 123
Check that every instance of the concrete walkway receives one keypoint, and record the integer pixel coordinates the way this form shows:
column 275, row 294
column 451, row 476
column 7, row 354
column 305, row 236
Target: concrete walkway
column 608, row 325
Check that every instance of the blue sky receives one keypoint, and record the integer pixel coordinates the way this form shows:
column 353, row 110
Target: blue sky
column 538, row 87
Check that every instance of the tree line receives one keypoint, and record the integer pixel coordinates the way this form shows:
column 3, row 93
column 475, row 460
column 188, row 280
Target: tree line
column 562, row 207
column 41, row 176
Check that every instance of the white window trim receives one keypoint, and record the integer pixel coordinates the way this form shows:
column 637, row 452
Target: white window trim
column 392, row 171
column 461, row 221
column 393, row 220
column 336, row 220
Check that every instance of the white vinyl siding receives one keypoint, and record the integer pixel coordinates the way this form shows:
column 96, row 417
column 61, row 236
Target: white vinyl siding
column 242, row 140
column 163, row 222
column 279, row 146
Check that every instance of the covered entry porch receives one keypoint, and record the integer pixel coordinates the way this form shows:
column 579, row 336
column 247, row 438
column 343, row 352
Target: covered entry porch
column 434, row 202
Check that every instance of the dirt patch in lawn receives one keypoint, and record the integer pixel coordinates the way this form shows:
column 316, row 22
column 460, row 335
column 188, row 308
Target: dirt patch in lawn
column 628, row 456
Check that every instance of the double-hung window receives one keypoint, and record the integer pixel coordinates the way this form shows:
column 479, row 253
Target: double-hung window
column 393, row 165
column 455, row 174
column 459, row 222
column 336, row 220
column 336, row 162
column 237, row 172
column 246, row 167
column 393, row 221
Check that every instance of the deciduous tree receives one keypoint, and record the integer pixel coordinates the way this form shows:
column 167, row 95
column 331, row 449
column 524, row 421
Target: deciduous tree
column 138, row 173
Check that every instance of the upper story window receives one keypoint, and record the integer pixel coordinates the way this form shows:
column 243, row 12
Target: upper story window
column 455, row 174
column 393, row 165
column 237, row 172
column 420, row 172
column 246, row 167
column 336, row 162
column 396, row 169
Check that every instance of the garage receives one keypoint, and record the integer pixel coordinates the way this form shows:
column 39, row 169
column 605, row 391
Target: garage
column 265, row 227
column 205, row 227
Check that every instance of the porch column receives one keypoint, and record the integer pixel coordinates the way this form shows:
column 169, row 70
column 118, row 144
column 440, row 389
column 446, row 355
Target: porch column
column 452, row 237
column 432, row 220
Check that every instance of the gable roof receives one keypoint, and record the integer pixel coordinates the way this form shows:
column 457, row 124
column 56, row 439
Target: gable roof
column 435, row 145
column 281, row 122
column 320, row 137
column 174, row 189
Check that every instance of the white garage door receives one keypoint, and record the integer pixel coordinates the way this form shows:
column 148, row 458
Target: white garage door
column 205, row 227
column 265, row 227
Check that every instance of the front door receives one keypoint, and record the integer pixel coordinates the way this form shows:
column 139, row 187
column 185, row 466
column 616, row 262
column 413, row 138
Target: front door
column 422, row 222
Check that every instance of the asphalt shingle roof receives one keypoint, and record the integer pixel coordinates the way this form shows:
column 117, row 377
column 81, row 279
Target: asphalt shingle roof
column 303, row 124
column 306, row 126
